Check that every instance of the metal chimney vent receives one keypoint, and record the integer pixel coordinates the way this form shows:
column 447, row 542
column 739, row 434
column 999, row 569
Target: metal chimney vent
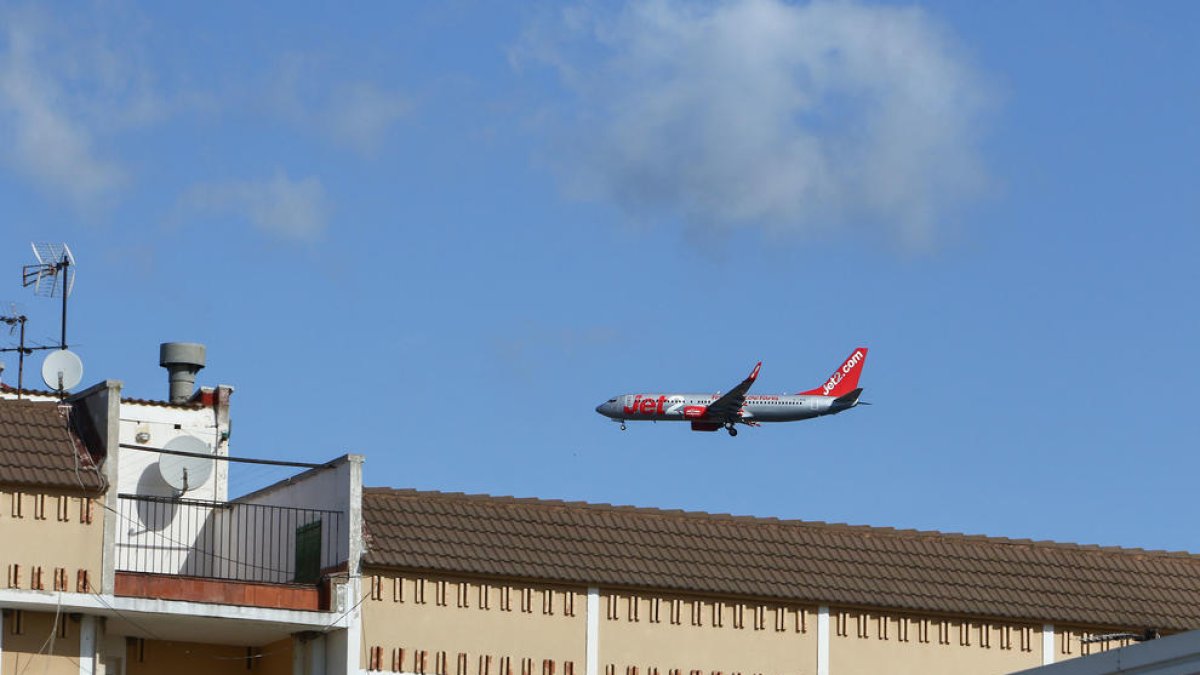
column 182, row 361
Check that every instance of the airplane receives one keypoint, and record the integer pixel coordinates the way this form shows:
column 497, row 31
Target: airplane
column 710, row 412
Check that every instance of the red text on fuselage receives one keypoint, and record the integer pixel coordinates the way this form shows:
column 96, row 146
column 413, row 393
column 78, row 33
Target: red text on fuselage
column 645, row 406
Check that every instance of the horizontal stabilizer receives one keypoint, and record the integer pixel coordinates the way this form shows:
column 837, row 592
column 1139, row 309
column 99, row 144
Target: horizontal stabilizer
column 845, row 401
column 850, row 399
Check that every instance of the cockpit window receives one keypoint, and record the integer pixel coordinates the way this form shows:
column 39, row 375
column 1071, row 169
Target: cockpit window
column 612, row 400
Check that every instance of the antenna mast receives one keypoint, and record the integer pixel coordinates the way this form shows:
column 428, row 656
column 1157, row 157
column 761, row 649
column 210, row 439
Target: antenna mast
column 14, row 320
column 52, row 276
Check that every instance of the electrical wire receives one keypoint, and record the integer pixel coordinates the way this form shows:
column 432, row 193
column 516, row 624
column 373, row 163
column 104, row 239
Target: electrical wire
column 325, row 629
column 191, row 547
column 328, row 627
column 53, row 633
column 84, row 494
column 66, row 411
column 49, row 638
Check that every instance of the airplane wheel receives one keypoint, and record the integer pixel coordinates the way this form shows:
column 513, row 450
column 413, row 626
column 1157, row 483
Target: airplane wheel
column 732, row 431
column 622, row 426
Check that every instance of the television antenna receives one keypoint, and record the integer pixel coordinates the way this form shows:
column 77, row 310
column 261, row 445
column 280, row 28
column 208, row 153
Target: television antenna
column 15, row 320
column 53, row 276
column 191, row 467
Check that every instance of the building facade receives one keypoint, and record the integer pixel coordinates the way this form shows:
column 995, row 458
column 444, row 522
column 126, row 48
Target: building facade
column 111, row 569
column 478, row 585
column 125, row 555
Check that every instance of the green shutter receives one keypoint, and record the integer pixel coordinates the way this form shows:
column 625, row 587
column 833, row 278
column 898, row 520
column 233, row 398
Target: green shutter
column 308, row 553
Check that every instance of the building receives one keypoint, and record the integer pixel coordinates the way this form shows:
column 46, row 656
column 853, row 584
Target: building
column 124, row 554
column 51, row 538
column 477, row 585
column 112, row 569
column 1174, row 655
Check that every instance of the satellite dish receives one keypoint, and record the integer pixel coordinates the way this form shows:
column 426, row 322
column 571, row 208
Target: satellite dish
column 62, row 370
column 185, row 472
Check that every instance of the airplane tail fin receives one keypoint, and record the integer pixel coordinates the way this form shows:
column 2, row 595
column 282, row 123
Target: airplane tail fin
column 845, row 379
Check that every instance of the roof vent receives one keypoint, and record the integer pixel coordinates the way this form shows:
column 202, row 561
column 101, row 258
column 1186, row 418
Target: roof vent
column 182, row 361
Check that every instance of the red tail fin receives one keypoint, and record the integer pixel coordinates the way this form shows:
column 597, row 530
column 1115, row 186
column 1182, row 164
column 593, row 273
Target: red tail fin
column 845, row 379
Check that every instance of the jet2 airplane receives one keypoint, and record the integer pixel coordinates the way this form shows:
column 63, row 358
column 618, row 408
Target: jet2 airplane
column 710, row 412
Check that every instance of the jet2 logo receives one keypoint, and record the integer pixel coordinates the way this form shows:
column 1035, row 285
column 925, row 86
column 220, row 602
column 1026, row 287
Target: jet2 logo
column 646, row 406
column 649, row 405
column 855, row 359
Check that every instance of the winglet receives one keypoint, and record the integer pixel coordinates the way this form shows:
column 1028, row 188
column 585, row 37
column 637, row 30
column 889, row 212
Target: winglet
column 845, row 378
column 754, row 375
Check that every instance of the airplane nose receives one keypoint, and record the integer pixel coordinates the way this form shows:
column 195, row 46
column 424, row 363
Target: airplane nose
column 600, row 408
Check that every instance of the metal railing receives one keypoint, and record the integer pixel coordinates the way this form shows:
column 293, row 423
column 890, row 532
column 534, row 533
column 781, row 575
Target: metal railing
column 227, row 540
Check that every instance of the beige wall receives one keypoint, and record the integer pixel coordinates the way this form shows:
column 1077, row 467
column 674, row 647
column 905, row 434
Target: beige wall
column 26, row 644
column 454, row 626
column 482, row 626
column 55, row 537
column 869, row 642
column 162, row 657
column 650, row 631
column 1068, row 642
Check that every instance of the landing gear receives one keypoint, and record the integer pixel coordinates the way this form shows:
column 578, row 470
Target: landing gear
column 731, row 429
column 622, row 425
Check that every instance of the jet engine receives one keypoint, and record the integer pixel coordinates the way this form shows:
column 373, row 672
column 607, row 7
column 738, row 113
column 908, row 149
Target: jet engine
column 706, row 426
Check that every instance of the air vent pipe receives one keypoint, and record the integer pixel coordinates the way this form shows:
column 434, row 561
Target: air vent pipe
column 182, row 361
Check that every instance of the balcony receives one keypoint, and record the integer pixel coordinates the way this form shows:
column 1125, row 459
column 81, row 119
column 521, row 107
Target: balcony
column 241, row 552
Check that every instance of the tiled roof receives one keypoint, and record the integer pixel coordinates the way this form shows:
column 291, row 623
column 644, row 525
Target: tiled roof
column 798, row 561
column 186, row 405
column 38, row 449
column 45, row 394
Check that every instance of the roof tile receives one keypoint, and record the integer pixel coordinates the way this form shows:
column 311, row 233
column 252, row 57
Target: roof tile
column 788, row 560
column 38, row 449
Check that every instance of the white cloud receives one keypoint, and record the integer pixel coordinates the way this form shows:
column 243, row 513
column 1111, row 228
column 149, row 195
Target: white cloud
column 790, row 118
column 359, row 115
column 45, row 133
column 295, row 210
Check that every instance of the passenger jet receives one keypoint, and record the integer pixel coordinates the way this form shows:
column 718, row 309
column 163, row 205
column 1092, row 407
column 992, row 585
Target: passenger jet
column 710, row 412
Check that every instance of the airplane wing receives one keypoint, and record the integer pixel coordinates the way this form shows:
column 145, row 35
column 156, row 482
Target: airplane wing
column 727, row 407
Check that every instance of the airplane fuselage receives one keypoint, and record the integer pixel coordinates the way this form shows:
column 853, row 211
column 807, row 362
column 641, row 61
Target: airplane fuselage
column 692, row 407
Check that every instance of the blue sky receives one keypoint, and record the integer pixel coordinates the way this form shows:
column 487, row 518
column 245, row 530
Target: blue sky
column 440, row 234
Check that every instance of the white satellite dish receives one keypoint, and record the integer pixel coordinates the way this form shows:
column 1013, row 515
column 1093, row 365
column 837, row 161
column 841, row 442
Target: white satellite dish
column 186, row 472
column 62, row 370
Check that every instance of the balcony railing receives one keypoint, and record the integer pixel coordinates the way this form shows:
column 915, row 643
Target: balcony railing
column 227, row 540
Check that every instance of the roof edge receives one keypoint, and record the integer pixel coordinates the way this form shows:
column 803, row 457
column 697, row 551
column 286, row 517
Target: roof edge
column 770, row 521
